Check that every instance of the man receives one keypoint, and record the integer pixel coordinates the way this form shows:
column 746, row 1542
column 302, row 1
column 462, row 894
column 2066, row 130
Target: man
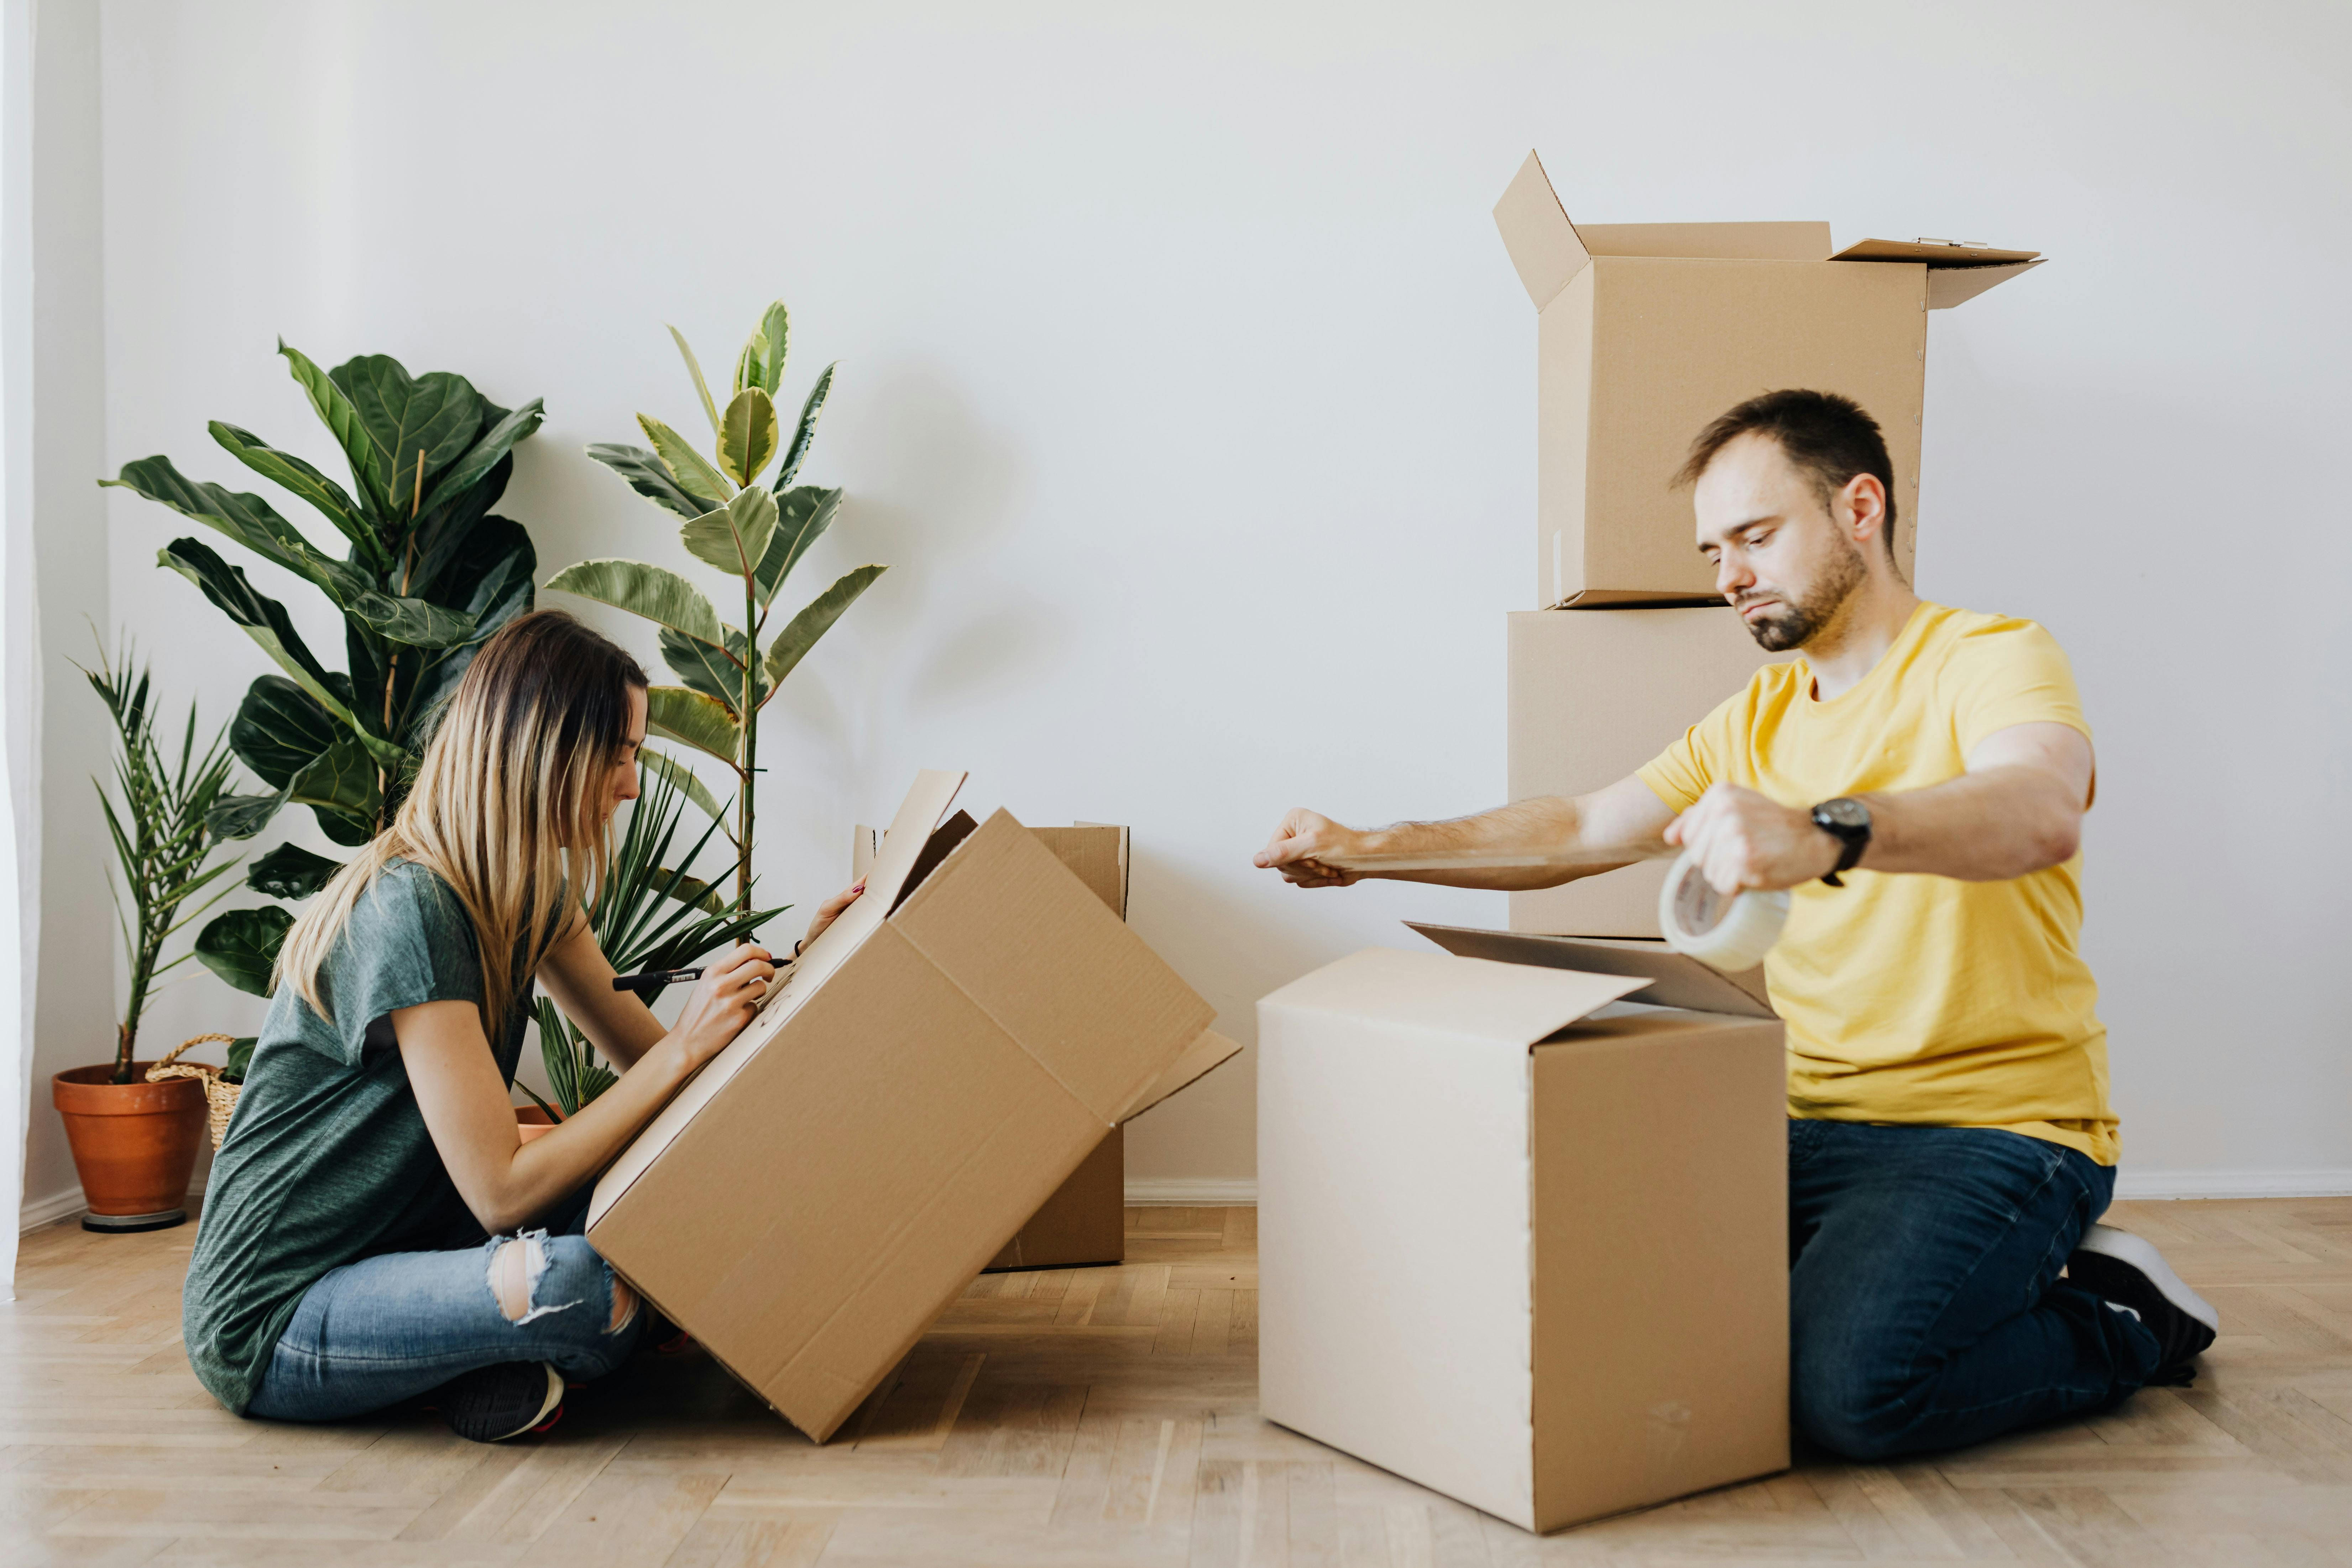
column 1916, row 778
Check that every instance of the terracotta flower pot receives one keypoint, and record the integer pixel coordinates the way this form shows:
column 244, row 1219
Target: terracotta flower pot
column 531, row 1123
column 134, row 1144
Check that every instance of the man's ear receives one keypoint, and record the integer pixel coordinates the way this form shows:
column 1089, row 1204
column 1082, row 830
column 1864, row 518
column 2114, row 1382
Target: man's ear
column 1861, row 509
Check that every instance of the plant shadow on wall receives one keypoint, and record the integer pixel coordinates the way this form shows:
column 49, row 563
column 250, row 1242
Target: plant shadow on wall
column 430, row 572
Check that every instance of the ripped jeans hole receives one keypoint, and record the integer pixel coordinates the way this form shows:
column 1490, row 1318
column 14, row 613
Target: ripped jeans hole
column 518, row 1264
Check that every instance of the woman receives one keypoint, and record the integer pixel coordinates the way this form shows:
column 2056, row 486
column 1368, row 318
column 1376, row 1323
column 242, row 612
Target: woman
column 362, row 1240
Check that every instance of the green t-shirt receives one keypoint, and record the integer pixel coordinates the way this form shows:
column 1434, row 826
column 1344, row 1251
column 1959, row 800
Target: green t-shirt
column 328, row 1160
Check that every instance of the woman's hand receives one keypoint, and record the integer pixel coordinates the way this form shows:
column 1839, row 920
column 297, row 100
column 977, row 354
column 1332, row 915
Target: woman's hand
column 722, row 1002
column 830, row 911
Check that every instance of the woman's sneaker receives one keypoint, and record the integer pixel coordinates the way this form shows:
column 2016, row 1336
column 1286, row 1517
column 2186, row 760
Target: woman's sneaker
column 492, row 1404
column 2129, row 1274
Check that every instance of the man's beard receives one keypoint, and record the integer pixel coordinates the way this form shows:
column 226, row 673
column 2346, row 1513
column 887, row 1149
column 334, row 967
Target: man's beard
column 1793, row 626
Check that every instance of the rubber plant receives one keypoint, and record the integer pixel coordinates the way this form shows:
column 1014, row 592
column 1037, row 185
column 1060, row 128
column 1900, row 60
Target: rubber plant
column 427, row 573
column 164, row 844
column 755, row 533
column 648, row 917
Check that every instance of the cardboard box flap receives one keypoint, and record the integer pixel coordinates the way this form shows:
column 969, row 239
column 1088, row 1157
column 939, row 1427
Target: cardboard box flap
column 926, row 802
column 1472, row 998
column 1957, row 271
column 1543, row 244
column 1709, row 241
column 1203, row 1057
column 1105, row 1040
column 1677, row 980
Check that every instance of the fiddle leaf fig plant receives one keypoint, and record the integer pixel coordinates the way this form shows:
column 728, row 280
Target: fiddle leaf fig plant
column 427, row 574
column 752, row 531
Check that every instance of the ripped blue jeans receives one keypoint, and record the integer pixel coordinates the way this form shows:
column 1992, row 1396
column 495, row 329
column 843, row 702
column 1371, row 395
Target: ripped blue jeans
column 388, row 1328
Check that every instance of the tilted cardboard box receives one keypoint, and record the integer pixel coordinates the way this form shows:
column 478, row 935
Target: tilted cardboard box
column 1646, row 332
column 1084, row 1222
column 1524, row 1252
column 937, row 1063
column 1593, row 696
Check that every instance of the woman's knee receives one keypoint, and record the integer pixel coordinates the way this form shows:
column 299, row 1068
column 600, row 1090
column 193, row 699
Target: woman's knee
column 537, row 1277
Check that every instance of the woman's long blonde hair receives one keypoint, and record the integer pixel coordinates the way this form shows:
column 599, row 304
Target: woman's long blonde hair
column 508, row 807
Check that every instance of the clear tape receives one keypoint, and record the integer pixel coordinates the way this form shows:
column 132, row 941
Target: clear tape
column 1730, row 934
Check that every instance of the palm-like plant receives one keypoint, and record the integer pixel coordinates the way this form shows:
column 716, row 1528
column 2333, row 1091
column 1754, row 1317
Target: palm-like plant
column 647, row 917
column 162, row 834
column 429, row 575
column 756, row 535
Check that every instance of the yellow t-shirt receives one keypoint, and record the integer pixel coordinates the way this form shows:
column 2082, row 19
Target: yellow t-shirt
column 1908, row 998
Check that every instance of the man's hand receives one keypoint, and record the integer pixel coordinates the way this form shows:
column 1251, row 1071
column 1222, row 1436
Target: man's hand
column 1746, row 843
column 1303, row 835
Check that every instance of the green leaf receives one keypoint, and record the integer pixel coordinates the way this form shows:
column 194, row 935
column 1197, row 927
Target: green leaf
column 776, row 326
column 494, row 567
column 343, row 422
column 240, row 1058
column 694, row 369
column 804, row 436
column 290, row 871
column 748, row 435
column 691, row 891
column 423, row 422
column 680, row 779
column 281, row 729
column 707, row 670
column 695, row 476
column 307, row 482
column 734, row 537
column 659, row 595
column 804, row 513
column 264, row 620
column 483, row 456
column 411, row 621
column 242, row 815
column 241, row 946
column 693, row 720
column 750, row 363
column 647, row 478
column 816, row 619
column 344, row 780
column 247, row 519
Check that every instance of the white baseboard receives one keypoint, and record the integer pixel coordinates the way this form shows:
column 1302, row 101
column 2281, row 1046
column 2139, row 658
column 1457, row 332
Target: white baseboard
column 2132, row 1183
column 1194, row 1193
column 58, row 1205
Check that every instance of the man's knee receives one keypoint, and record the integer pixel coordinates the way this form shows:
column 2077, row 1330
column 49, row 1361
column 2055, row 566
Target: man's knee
column 1855, row 1396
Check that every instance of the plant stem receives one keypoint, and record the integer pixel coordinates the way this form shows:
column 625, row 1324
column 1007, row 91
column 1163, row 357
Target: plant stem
column 749, row 748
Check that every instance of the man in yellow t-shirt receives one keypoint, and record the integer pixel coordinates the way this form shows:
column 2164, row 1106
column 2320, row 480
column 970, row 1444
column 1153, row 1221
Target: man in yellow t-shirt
column 1916, row 779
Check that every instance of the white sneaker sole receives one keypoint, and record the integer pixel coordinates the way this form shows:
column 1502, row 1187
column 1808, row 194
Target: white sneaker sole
column 2140, row 1253
column 554, row 1397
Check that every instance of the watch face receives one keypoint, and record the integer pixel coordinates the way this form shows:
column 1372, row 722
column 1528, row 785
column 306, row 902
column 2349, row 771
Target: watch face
column 1842, row 813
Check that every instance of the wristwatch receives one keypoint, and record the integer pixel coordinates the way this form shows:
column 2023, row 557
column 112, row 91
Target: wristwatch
column 1847, row 820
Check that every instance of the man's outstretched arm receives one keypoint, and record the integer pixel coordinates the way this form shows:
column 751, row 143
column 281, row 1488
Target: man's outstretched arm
column 1626, row 812
column 2018, row 809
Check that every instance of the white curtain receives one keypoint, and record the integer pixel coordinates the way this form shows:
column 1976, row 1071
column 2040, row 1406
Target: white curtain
column 20, row 718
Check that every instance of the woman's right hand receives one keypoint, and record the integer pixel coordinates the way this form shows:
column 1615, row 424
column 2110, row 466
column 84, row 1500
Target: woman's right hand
column 722, row 1002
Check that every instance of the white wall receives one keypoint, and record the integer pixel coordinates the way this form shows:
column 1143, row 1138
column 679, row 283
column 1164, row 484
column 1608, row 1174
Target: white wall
column 1188, row 389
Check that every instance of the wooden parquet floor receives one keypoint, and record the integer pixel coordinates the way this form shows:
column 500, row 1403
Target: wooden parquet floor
column 1110, row 1417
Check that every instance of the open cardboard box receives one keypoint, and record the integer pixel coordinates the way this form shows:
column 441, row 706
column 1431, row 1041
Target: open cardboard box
column 1646, row 332
column 1592, row 698
column 935, row 1065
column 1084, row 1222
column 1517, row 1244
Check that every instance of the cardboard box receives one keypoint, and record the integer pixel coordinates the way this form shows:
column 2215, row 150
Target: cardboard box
column 937, row 1063
column 1527, row 1252
column 1593, row 696
column 1646, row 332
column 1084, row 1222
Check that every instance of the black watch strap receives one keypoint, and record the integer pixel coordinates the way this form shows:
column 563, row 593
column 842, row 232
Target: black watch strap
column 1847, row 820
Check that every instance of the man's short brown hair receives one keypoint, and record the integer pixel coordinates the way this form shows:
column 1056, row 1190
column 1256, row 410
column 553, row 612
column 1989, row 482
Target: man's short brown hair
column 1830, row 439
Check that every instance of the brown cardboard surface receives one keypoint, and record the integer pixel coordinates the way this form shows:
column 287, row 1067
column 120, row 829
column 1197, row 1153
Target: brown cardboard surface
column 1083, row 1221
column 1661, row 1261
column 1593, row 696
column 1646, row 332
column 1675, row 979
column 884, row 1131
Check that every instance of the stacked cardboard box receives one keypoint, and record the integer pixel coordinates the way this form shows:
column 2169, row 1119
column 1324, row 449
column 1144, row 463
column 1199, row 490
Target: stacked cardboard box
column 1520, row 1240
column 1644, row 333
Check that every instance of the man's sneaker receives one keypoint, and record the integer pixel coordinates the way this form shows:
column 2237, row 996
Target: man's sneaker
column 2129, row 1274
column 492, row 1404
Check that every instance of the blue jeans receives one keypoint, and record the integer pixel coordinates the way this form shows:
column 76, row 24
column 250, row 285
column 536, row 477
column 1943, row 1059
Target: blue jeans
column 388, row 1328
column 1925, row 1309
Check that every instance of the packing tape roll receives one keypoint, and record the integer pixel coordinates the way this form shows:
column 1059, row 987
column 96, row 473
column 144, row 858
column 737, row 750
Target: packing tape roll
column 1730, row 934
